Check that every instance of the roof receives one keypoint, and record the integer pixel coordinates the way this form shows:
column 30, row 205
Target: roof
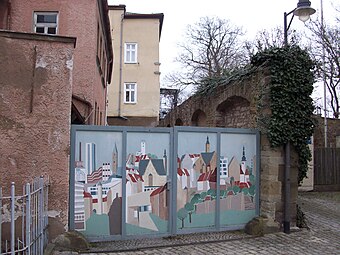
column 141, row 157
column 208, row 176
column 182, row 171
column 134, row 178
column 131, row 15
column 159, row 190
column 207, row 156
column 158, row 164
column 104, row 12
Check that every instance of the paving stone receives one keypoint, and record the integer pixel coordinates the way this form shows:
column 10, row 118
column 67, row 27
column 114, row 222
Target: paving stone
column 323, row 219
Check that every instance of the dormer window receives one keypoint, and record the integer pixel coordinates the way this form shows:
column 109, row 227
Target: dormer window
column 46, row 22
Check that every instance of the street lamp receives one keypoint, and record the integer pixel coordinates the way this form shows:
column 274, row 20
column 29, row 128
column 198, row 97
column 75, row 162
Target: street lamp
column 303, row 11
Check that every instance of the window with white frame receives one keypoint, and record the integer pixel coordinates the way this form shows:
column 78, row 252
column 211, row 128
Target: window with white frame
column 130, row 53
column 46, row 22
column 130, row 92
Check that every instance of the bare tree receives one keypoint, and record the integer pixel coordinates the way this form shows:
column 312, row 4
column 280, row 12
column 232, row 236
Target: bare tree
column 325, row 50
column 266, row 39
column 210, row 46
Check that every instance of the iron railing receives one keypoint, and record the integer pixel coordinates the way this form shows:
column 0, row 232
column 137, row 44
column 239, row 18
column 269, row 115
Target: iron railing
column 27, row 216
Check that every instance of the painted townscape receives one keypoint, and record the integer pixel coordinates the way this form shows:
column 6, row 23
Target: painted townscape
column 98, row 188
column 98, row 191
column 197, row 189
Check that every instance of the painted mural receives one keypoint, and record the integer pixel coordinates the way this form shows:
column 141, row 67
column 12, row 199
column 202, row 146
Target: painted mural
column 237, row 178
column 147, row 194
column 202, row 178
column 98, row 183
column 197, row 180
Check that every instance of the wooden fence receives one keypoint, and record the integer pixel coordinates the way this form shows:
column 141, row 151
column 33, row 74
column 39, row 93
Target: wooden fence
column 327, row 169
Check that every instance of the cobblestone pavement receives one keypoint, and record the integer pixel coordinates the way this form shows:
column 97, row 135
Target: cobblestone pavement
column 322, row 212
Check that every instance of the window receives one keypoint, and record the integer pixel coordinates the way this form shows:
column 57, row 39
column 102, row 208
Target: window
column 130, row 53
column 46, row 22
column 150, row 180
column 130, row 91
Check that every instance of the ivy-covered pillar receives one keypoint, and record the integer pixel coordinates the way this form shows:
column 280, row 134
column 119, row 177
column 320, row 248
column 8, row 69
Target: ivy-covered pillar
column 285, row 116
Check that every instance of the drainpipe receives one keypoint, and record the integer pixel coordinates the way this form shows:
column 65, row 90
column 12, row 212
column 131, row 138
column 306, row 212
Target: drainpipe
column 9, row 10
column 120, row 65
column 108, row 78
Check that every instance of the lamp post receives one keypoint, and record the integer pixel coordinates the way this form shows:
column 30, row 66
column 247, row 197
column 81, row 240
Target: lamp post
column 303, row 11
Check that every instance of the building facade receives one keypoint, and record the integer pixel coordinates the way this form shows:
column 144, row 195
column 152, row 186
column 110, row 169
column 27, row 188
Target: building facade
column 135, row 88
column 56, row 61
column 88, row 22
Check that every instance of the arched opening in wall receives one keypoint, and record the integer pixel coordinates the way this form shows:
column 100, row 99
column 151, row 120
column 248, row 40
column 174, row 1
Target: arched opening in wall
column 234, row 112
column 179, row 122
column 199, row 118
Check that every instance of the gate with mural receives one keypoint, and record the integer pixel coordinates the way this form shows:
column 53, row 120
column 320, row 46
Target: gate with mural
column 132, row 181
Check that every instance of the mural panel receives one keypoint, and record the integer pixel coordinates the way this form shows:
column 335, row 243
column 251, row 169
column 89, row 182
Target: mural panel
column 205, row 176
column 147, row 194
column 196, row 180
column 98, row 183
column 237, row 178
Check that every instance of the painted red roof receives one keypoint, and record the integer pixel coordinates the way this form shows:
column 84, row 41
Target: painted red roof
column 182, row 171
column 158, row 190
column 241, row 172
column 194, row 155
column 186, row 171
column 204, row 177
column 87, row 194
column 141, row 157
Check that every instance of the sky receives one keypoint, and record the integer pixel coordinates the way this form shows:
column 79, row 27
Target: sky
column 252, row 15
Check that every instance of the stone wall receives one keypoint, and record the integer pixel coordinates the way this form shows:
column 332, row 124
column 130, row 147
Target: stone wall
column 245, row 104
column 35, row 108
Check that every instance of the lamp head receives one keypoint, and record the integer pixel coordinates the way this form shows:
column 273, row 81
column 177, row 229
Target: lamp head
column 303, row 10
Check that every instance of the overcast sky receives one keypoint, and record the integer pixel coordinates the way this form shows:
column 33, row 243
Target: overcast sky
column 251, row 15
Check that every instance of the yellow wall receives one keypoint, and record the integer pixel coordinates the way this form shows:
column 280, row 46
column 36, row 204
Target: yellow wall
column 144, row 32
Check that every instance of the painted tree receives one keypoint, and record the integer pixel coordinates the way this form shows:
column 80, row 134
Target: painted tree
column 196, row 199
column 232, row 179
column 181, row 215
column 236, row 189
column 245, row 191
column 223, row 193
column 212, row 193
column 251, row 192
column 190, row 207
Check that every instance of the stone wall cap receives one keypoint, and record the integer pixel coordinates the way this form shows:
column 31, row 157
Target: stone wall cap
column 38, row 37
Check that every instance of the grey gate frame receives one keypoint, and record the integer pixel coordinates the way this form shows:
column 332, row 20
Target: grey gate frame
column 171, row 187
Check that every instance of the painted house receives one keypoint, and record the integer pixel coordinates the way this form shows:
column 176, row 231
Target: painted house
column 159, row 199
column 153, row 172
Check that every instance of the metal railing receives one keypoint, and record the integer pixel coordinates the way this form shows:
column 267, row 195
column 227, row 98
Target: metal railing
column 27, row 216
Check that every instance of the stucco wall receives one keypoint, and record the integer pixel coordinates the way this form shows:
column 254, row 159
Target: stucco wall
column 144, row 32
column 35, row 108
